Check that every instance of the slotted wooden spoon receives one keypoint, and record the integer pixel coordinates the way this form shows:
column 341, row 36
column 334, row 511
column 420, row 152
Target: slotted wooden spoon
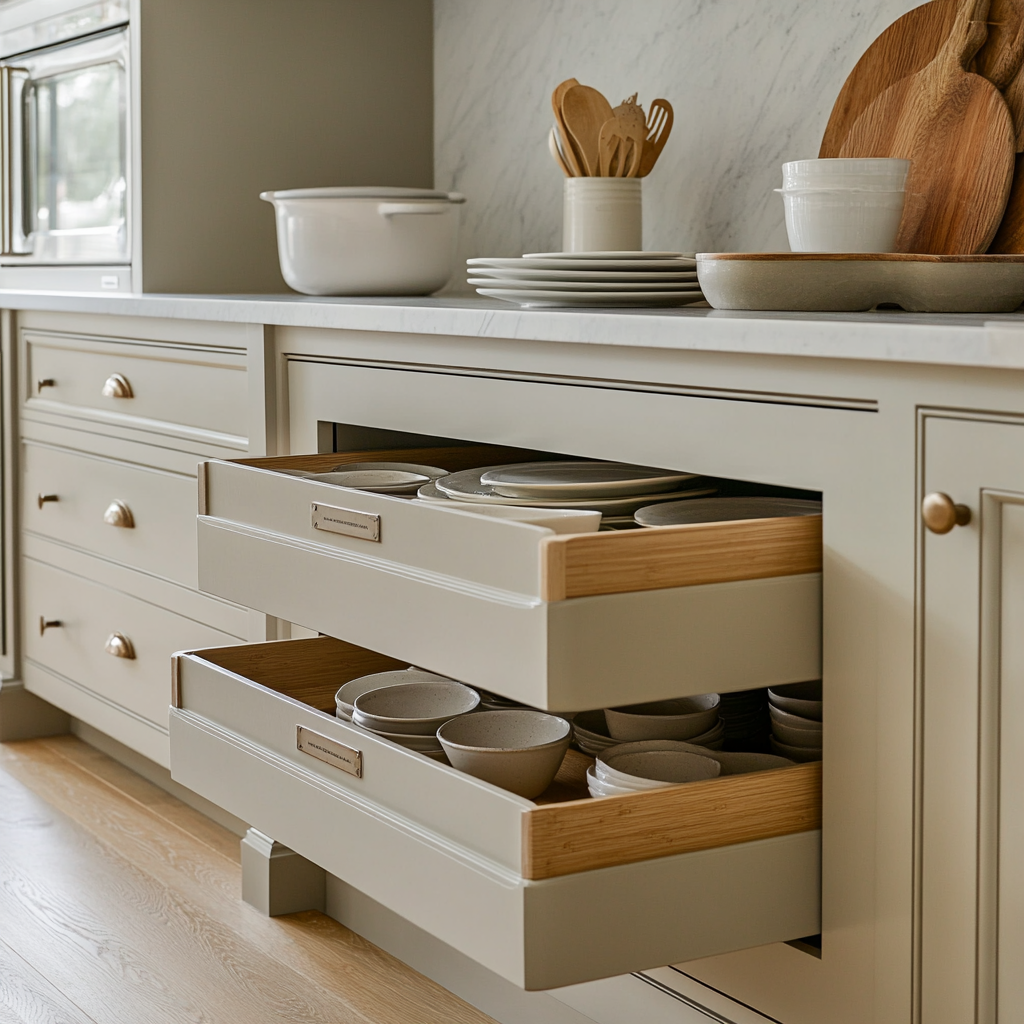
column 659, row 127
column 955, row 128
column 584, row 110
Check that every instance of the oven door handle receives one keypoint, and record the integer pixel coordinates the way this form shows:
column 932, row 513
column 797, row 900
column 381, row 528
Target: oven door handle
column 12, row 161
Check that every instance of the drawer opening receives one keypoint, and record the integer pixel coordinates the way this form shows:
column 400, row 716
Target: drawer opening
column 565, row 830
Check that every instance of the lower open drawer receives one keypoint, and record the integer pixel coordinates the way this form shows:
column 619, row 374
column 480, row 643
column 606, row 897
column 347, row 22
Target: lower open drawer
column 546, row 893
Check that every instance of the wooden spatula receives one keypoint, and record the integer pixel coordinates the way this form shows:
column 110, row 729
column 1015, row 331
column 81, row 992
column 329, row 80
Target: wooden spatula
column 572, row 158
column 584, row 110
column 659, row 127
column 955, row 128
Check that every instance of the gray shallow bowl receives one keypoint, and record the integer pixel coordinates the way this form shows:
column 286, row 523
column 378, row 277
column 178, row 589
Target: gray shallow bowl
column 346, row 696
column 732, row 762
column 413, row 707
column 678, row 719
column 519, row 750
column 647, row 769
column 797, row 737
column 803, row 699
column 795, row 753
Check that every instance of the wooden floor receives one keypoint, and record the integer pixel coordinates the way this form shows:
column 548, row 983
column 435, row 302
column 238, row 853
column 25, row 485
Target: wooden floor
column 119, row 903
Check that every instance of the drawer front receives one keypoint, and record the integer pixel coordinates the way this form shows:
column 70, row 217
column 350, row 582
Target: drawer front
column 179, row 386
column 452, row 854
column 90, row 615
column 138, row 516
column 593, row 620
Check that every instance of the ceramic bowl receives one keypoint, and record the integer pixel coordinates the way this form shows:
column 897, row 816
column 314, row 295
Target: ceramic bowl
column 379, row 481
column 842, row 219
column 518, row 750
column 590, row 731
column 418, row 708
column 802, row 699
column 663, row 720
column 345, row 697
column 795, row 753
column 796, row 737
column 732, row 762
column 412, row 741
column 600, row 787
column 649, row 769
column 881, row 173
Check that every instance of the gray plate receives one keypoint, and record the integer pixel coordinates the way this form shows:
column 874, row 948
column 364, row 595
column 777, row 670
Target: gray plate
column 718, row 510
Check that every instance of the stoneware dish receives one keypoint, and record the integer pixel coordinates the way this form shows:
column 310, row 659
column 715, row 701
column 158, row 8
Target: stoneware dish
column 664, row 719
column 345, row 697
column 802, row 699
column 797, row 737
column 794, row 721
column 591, row 732
column 382, row 481
column 842, row 219
column 650, row 769
column 366, row 241
column 801, row 754
column 727, row 509
column 560, row 520
column 732, row 762
column 518, row 750
column 419, row 708
column 851, row 282
column 882, row 174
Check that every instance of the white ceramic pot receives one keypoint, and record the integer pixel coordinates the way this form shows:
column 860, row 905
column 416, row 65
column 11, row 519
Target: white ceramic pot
column 366, row 241
column 884, row 174
column 602, row 215
column 842, row 219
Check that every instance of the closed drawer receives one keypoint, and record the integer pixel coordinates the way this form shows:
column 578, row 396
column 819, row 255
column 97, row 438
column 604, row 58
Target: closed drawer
column 83, row 647
column 160, row 386
column 559, row 622
column 138, row 516
column 545, row 894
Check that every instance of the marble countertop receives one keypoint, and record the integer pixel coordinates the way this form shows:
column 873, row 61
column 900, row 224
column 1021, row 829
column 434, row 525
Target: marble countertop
column 995, row 340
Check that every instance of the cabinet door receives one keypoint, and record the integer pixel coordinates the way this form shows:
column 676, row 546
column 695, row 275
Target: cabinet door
column 971, row 806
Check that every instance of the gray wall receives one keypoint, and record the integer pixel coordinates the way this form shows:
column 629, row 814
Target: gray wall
column 752, row 83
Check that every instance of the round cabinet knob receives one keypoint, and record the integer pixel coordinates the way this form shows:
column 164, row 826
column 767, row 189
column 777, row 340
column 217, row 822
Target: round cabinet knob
column 42, row 499
column 117, row 386
column 119, row 646
column 940, row 514
column 119, row 514
column 45, row 624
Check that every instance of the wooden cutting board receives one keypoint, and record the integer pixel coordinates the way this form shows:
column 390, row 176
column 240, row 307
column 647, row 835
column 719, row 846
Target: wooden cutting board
column 956, row 129
column 912, row 42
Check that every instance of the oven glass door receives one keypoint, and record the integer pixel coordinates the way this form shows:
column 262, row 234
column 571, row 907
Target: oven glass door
column 73, row 199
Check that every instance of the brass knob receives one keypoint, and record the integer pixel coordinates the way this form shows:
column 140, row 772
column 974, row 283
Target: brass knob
column 117, row 386
column 119, row 514
column 119, row 646
column 46, row 382
column 940, row 514
column 42, row 499
column 45, row 624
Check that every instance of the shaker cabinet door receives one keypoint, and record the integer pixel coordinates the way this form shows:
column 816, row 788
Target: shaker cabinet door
column 971, row 809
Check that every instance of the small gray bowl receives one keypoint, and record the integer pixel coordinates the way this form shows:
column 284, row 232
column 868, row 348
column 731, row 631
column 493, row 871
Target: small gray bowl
column 418, row 708
column 518, row 750
column 803, row 699
column 679, row 719
column 346, row 696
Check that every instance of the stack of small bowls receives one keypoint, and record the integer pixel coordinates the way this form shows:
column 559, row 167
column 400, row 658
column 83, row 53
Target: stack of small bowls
column 410, row 714
column 796, row 720
column 685, row 718
column 844, row 205
column 345, row 698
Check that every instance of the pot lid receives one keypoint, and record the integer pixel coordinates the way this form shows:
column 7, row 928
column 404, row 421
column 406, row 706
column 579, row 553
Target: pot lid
column 362, row 192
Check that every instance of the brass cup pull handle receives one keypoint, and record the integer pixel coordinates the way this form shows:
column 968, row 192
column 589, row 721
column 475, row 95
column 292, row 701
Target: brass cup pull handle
column 940, row 514
column 45, row 624
column 42, row 499
column 117, row 386
column 46, row 382
column 119, row 514
column 119, row 646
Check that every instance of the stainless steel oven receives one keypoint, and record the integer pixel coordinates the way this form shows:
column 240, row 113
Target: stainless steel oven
column 65, row 167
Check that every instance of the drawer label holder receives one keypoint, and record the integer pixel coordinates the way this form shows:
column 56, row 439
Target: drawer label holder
column 331, row 752
column 346, row 521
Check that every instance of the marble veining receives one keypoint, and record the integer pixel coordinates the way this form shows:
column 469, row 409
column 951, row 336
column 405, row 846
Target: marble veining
column 752, row 83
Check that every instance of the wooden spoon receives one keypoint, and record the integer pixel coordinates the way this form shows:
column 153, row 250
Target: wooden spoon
column 659, row 127
column 957, row 131
column 584, row 110
column 572, row 158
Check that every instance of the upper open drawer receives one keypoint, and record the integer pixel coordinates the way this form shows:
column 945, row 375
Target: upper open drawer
column 563, row 622
column 548, row 893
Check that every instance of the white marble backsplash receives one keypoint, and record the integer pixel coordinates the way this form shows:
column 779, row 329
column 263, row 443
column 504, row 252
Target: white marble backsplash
column 752, row 83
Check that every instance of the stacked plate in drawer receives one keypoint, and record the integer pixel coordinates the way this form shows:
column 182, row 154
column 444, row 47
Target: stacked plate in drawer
column 589, row 279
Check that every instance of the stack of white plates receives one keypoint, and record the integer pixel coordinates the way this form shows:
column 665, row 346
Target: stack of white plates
column 612, row 488
column 636, row 767
column 796, row 720
column 589, row 279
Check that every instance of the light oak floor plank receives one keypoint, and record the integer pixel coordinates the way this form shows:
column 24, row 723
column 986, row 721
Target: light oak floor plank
column 26, row 997
column 99, row 875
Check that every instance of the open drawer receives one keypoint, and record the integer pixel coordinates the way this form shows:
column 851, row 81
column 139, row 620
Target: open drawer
column 545, row 894
column 562, row 622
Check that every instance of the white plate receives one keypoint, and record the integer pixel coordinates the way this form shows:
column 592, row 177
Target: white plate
column 626, row 255
column 720, row 510
column 466, row 486
column 534, row 297
column 558, row 287
column 499, row 263
column 586, row 479
column 521, row 274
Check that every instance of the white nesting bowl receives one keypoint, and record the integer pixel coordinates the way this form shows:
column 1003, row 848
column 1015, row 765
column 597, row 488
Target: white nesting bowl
column 346, row 696
column 518, row 750
column 797, row 737
column 678, row 719
column 803, row 699
column 884, row 174
column 417, row 708
column 651, row 769
column 795, row 753
column 842, row 219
